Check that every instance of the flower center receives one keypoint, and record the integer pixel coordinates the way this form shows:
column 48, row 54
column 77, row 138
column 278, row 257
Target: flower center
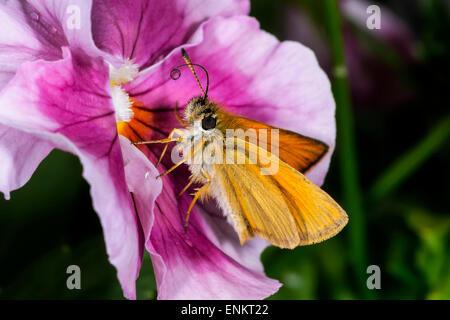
column 122, row 104
column 121, row 100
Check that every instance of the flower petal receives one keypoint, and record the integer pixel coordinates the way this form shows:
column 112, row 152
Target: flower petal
column 222, row 234
column 67, row 102
column 142, row 183
column 191, row 266
column 20, row 154
column 146, row 31
column 252, row 74
column 36, row 29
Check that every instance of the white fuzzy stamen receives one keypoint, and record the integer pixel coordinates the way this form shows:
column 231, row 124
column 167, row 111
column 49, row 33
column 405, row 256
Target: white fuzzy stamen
column 122, row 104
column 127, row 72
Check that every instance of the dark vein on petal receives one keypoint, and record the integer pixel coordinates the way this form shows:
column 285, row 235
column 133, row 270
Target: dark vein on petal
column 151, row 59
column 110, row 147
column 117, row 25
column 86, row 120
column 154, row 110
column 40, row 27
column 137, row 135
column 137, row 34
column 140, row 93
column 152, row 127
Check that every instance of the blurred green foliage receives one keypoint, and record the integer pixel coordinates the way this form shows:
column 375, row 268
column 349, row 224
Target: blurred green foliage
column 403, row 156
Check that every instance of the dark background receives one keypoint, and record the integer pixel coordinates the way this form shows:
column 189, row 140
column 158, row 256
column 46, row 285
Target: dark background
column 400, row 91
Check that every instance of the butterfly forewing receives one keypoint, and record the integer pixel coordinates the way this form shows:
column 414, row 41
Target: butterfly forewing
column 298, row 151
column 284, row 207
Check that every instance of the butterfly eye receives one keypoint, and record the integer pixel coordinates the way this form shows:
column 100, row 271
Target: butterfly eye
column 208, row 123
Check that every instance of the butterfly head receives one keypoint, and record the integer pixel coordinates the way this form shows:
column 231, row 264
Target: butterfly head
column 204, row 112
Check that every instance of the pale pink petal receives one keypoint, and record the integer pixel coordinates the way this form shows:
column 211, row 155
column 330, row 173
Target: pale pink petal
column 146, row 31
column 20, row 154
column 67, row 102
column 142, row 183
column 191, row 266
column 31, row 30
column 36, row 29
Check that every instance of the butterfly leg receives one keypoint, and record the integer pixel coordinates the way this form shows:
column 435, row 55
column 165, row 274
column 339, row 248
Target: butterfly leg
column 173, row 168
column 166, row 141
column 192, row 181
column 197, row 195
column 185, row 188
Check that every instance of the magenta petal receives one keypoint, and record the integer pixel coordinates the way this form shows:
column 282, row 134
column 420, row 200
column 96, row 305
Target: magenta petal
column 20, row 154
column 146, row 30
column 222, row 234
column 252, row 74
column 182, row 263
column 191, row 266
column 67, row 102
column 208, row 262
column 38, row 29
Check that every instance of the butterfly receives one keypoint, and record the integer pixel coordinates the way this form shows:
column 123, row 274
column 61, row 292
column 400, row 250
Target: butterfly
column 258, row 183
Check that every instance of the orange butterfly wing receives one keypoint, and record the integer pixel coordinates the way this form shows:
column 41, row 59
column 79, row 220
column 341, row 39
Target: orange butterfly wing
column 298, row 151
column 285, row 207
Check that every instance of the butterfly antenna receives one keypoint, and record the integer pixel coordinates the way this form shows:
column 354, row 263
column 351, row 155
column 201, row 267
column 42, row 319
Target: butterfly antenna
column 189, row 63
column 175, row 73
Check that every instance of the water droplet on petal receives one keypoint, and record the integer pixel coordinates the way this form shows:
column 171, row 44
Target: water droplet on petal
column 35, row 16
column 147, row 174
column 53, row 30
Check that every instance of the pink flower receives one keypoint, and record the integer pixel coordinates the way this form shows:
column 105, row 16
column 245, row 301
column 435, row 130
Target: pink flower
column 91, row 90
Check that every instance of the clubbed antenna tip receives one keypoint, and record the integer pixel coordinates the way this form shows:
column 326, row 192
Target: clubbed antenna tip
column 184, row 53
